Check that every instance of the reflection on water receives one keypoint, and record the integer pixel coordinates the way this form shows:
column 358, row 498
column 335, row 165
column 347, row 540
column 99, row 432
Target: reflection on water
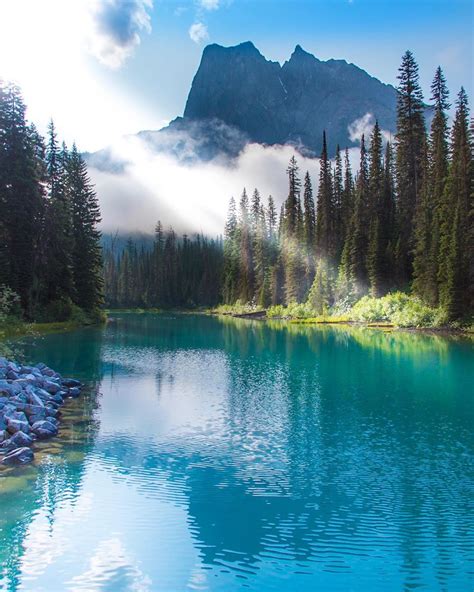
column 218, row 454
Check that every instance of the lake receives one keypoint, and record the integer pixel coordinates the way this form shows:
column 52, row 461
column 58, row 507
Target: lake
column 223, row 454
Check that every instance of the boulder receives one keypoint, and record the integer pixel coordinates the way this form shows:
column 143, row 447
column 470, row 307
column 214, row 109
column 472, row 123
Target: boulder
column 74, row 392
column 21, row 456
column 70, row 382
column 21, row 439
column 51, row 387
column 35, row 410
column 16, row 425
column 44, row 429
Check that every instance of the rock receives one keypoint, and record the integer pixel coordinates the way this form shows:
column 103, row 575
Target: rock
column 44, row 429
column 21, row 439
column 36, row 400
column 74, row 392
column 3, row 436
column 70, row 382
column 21, row 456
column 3, row 423
column 51, row 387
column 35, row 410
column 15, row 425
column 57, row 398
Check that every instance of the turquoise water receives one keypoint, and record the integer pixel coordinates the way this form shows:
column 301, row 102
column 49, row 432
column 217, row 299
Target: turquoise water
column 226, row 455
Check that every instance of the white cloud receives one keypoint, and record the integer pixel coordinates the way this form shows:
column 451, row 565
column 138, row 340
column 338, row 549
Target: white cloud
column 209, row 4
column 116, row 28
column 363, row 126
column 198, row 32
column 190, row 197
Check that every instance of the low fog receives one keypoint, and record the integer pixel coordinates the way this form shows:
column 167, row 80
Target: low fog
column 194, row 197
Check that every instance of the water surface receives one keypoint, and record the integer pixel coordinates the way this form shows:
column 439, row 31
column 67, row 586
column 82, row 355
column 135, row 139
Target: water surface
column 225, row 455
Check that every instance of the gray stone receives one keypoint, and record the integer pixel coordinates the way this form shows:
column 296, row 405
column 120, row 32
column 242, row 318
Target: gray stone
column 15, row 425
column 70, row 382
column 51, row 387
column 44, row 429
column 21, row 456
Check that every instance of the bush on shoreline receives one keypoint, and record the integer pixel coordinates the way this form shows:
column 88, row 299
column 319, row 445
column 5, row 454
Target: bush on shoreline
column 397, row 308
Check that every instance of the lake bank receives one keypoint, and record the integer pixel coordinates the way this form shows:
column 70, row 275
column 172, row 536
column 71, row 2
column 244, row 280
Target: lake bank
column 31, row 398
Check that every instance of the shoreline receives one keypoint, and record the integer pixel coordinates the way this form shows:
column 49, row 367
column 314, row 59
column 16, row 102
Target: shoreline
column 384, row 326
column 31, row 398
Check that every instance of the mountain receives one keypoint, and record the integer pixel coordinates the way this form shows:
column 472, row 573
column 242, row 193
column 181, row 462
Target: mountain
column 238, row 96
column 292, row 103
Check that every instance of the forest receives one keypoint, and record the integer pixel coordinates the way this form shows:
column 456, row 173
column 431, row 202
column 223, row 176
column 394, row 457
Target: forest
column 399, row 231
column 50, row 252
column 403, row 225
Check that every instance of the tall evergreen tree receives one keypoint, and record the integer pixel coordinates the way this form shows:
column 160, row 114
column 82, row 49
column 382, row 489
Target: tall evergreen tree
column 325, row 247
column 21, row 196
column 87, row 252
column 58, row 244
column 377, row 241
column 246, row 274
column 410, row 141
column 455, row 255
column 358, row 237
column 231, row 256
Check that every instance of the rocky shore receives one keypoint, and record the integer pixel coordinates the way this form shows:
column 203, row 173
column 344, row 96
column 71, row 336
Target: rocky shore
column 30, row 401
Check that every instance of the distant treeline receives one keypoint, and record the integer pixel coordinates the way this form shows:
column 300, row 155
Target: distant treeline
column 50, row 254
column 405, row 222
column 172, row 272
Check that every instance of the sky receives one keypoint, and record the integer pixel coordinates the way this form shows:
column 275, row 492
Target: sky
column 106, row 69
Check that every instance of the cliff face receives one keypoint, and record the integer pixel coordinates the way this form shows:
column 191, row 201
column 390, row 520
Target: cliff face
column 293, row 103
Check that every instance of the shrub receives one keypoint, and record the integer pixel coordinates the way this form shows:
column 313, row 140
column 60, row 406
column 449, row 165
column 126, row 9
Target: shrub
column 397, row 308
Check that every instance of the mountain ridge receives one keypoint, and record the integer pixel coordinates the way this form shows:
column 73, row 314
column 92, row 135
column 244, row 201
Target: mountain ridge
column 238, row 96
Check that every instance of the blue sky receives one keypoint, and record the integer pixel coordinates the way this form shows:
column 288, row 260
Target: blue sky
column 125, row 65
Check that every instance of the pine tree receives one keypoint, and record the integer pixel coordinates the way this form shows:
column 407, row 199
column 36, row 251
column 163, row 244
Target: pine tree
column 430, row 209
column 291, row 204
column 325, row 247
column 377, row 243
column 246, row 273
column 58, row 244
column 21, row 196
column 320, row 296
column 410, row 139
column 358, row 236
column 87, row 253
column 339, row 223
column 455, row 256
column 231, row 256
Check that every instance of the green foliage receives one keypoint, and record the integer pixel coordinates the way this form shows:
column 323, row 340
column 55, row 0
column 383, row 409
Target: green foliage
column 49, row 243
column 396, row 308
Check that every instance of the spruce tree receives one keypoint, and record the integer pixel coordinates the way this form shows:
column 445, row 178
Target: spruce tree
column 410, row 140
column 87, row 252
column 377, row 241
column 58, row 244
column 21, row 196
column 339, row 223
column 246, row 272
column 431, row 208
column 455, row 255
column 231, row 256
column 358, row 236
column 325, row 247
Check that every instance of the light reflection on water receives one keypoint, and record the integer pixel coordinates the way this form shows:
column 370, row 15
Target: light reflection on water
column 219, row 455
